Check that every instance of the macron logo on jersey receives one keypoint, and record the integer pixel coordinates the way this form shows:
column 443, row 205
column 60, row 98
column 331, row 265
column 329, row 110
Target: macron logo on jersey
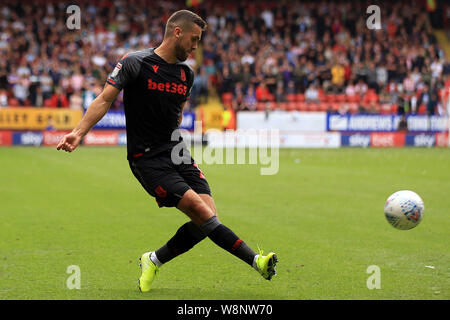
column 155, row 68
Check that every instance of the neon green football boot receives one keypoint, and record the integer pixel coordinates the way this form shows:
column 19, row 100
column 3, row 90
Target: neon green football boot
column 149, row 272
column 266, row 265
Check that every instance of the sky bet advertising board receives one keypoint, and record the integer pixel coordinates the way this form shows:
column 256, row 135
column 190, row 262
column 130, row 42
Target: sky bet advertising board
column 393, row 139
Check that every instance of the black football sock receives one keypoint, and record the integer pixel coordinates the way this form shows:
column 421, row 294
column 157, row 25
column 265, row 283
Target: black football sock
column 228, row 240
column 187, row 236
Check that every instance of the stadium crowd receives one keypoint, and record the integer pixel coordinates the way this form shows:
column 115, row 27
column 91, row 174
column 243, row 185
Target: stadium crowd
column 316, row 55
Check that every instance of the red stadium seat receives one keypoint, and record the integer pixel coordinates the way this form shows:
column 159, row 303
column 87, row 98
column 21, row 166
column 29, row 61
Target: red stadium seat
column 13, row 102
column 313, row 107
column 281, row 106
column 330, row 98
column 378, row 107
column 323, row 107
column 301, row 106
column 341, row 98
column 322, row 96
column 291, row 106
column 335, row 106
column 370, row 96
column 385, row 108
column 291, row 97
column 353, row 107
column 354, row 99
column 300, row 97
column 261, row 106
column 227, row 98
column 422, row 109
column 213, row 79
column 394, row 108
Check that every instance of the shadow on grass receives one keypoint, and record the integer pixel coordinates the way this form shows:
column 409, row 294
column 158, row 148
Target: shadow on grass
column 166, row 294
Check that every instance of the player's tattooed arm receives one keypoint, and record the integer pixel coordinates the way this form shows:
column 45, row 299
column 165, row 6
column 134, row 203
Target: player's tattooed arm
column 94, row 113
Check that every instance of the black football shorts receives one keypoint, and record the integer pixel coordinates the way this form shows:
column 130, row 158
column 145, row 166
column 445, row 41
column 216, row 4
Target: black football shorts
column 167, row 182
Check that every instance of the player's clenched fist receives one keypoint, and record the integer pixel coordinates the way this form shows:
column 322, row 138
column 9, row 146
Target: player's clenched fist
column 69, row 142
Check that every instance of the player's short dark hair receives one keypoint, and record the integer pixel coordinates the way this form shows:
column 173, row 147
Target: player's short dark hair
column 183, row 18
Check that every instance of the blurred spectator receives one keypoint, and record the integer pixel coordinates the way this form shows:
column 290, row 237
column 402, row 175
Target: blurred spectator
column 199, row 93
column 262, row 93
column 416, row 76
column 436, row 68
column 246, row 75
column 279, row 93
column 88, row 96
column 267, row 16
column 424, row 96
column 432, row 103
column 409, row 84
column 350, row 90
column 21, row 89
column 37, row 97
column 225, row 81
column 3, row 98
column 337, row 74
column 403, row 124
column 381, row 77
column 250, row 98
column 46, row 84
column 344, row 109
column 371, row 76
column 59, row 99
column 312, row 94
column 50, row 125
column 384, row 97
column 76, row 101
column 228, row 118
column 238, row 101
column 291, row 88
column 402, row 105
column 372, row 107
column 3, row 75
column 247, row 58
column 361, row 87
column 77, row 79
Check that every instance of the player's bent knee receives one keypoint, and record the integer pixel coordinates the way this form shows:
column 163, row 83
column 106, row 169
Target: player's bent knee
column 195, row 208
column 209, row 201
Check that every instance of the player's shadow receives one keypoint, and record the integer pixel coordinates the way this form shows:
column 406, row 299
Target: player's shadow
column 176, row 294
column 154, row 294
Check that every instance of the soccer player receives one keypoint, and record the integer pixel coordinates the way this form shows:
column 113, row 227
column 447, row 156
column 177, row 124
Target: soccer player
column 156, row 86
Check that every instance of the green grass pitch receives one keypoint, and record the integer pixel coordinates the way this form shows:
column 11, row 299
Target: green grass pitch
column 322, row 214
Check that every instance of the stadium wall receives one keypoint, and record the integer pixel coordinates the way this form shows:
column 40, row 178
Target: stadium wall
column 244, row 139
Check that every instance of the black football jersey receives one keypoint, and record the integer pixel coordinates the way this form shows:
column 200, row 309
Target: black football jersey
column 153, row 91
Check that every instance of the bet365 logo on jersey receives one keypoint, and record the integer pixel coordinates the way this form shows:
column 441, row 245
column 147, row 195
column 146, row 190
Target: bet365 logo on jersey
column 167, row 87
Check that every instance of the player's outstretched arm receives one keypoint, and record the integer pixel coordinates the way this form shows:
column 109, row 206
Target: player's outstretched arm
column 94, row 113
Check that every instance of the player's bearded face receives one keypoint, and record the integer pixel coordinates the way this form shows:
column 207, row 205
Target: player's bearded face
column 180, row 52
column 187, row 43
